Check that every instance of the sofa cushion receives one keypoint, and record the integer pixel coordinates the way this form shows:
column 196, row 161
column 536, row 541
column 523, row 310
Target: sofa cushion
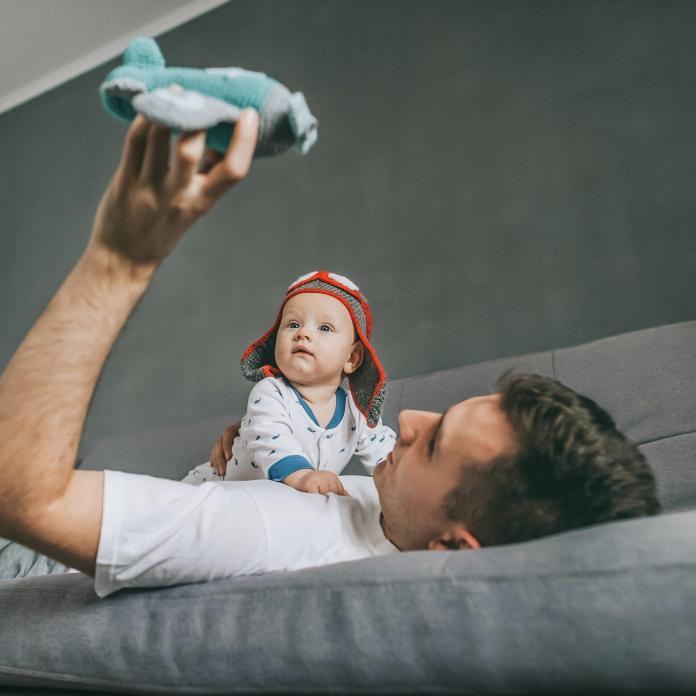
column 673, row 460
column 608, row 609
column 645, row 379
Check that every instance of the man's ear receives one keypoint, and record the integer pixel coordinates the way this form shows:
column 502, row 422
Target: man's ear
column 357, row 352
column 454, row 539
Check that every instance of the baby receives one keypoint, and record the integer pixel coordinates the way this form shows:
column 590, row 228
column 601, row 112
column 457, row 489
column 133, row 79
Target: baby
column 301, row 427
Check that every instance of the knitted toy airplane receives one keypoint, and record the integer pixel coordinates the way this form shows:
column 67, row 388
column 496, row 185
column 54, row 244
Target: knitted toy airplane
column 209, row 98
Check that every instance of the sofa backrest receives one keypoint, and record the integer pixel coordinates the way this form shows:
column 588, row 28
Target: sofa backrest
column 646, row 379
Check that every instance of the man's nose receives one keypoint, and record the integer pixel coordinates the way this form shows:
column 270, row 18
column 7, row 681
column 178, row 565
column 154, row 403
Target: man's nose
column 408, row 431
column 411, row 422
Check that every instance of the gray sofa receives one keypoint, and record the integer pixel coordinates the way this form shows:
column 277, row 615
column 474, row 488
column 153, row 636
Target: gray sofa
column 607, row 609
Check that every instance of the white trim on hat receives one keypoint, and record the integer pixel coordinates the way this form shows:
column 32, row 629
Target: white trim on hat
column 302, row 278
column 346, row 281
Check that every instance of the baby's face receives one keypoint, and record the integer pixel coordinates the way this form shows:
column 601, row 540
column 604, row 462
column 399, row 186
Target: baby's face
column 315, row 340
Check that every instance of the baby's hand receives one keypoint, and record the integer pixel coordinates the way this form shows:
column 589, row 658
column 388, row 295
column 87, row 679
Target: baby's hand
column 315, row 482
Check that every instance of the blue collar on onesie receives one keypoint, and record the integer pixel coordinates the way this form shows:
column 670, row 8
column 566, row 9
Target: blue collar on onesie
column 338, row 413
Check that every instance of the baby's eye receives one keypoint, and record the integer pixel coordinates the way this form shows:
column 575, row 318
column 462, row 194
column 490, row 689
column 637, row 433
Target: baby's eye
column 325, row 328
column 292, row 324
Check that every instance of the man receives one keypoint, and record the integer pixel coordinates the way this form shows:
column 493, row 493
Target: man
column 531, row 460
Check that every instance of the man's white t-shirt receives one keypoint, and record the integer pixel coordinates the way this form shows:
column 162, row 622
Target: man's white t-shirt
column 156, row 532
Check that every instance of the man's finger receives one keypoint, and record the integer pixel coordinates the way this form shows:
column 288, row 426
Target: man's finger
column 187, row 154
column 156, row 159
column 226, row 444
column 134, row 148
column 237, row 160
column 216, row 456
column 210, row 159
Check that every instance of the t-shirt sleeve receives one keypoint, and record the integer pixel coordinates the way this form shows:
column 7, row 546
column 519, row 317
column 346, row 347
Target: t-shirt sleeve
column 268, row 433
column 374, row 444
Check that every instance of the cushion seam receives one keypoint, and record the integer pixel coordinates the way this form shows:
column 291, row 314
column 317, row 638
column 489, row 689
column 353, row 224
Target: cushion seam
column 640, row 443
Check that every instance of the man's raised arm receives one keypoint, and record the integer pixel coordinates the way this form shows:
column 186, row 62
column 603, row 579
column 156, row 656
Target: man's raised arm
column 46, row 387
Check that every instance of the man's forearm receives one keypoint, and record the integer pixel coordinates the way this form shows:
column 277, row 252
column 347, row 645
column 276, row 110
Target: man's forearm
column 46, row 388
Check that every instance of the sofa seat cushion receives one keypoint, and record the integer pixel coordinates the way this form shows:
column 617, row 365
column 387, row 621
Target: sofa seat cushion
column 609, row 608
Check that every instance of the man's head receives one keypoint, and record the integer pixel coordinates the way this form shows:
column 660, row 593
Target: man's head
column 536, row 458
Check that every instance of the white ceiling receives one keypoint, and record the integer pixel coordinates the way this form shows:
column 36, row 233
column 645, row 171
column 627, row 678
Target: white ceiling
column 46, row 42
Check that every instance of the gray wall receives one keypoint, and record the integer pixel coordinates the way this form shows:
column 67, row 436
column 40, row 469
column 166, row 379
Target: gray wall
column 499, row 177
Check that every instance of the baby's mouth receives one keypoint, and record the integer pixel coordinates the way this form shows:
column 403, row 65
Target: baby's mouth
column 302, row 349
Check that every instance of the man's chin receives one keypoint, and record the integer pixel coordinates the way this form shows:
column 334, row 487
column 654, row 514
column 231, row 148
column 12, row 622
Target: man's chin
column 378, row 471
column 381, row 481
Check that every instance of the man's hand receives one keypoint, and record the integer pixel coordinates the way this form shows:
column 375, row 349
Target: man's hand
column 222, row 449
column 150, row 202
column 316, row 482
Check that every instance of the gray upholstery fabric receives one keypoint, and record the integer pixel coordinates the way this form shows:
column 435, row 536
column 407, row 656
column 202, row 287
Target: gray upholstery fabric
column 673, row 460
column 611, row 608
column 646, row 379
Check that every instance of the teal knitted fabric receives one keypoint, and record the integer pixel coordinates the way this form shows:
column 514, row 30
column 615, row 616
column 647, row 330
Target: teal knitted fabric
column 209, row 99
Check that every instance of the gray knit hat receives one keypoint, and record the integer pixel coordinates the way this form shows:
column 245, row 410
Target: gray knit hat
column 368, row 384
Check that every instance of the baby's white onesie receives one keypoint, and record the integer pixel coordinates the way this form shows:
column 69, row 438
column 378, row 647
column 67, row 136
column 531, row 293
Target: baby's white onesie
column 280, row 434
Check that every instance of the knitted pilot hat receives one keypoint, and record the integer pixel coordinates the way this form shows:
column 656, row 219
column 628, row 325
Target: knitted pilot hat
column 368, row 384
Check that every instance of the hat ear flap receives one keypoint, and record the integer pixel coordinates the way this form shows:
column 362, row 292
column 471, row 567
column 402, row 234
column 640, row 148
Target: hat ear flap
column 368, row 385
column 258, row 360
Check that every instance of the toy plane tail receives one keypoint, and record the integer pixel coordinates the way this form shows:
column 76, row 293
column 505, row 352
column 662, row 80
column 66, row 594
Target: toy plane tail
column 303, row 124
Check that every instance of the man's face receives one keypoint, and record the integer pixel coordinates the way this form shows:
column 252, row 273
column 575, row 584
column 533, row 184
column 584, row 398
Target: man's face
column 427, row 463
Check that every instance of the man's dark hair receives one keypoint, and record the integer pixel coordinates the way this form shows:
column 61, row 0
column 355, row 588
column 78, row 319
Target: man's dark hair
column 572, row 468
